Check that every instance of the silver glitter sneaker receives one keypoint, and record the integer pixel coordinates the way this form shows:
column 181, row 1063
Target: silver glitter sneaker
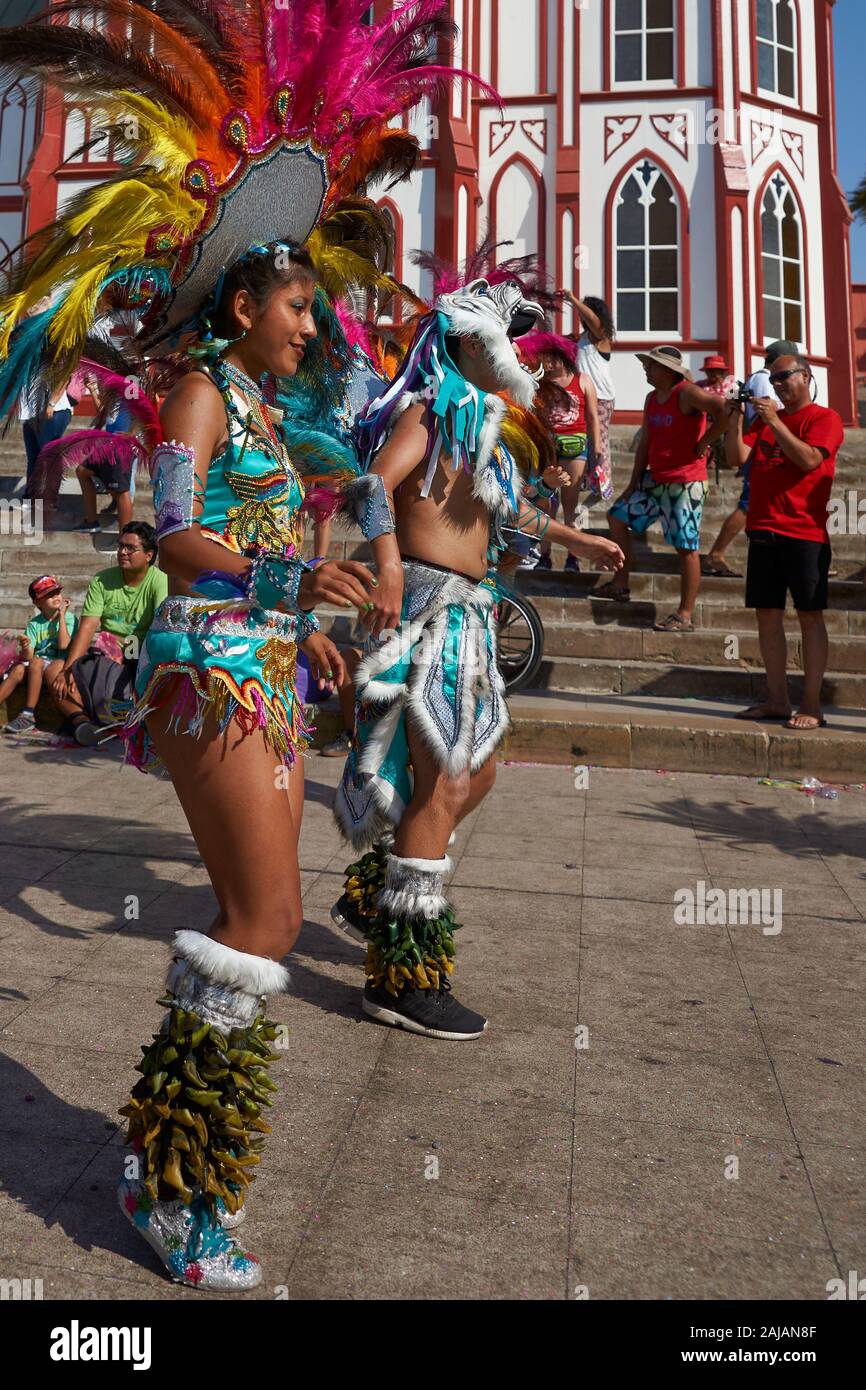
column 195, row 1248
column 225, row 1218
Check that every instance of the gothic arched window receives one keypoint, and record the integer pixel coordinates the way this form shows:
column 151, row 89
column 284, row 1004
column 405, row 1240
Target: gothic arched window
column 13, row 131
column 782, row 262
column 643, row 40
column 389, row 308
column 777, row 47
column 647, row 252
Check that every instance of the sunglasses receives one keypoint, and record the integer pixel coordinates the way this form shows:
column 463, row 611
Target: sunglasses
column 783, row 376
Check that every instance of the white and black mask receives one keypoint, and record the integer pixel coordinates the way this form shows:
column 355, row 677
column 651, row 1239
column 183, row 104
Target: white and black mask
column 495, row 315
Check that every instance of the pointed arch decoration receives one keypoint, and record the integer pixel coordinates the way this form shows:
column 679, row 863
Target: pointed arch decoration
column 499, row 230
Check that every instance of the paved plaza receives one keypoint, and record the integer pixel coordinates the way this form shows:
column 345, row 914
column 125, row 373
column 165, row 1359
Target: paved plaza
column 658, row 1110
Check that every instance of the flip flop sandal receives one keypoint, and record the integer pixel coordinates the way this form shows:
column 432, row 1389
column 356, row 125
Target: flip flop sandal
column 673, row 623
column 711, row 571
column 806, row 728
column 610, row 591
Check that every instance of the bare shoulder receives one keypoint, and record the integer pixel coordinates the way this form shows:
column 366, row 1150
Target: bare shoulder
column 195, row 387
column 412, row 418
column 407, row 441
column 193, row 402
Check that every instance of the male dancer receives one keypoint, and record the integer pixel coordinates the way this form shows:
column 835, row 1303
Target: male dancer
column 430, row 708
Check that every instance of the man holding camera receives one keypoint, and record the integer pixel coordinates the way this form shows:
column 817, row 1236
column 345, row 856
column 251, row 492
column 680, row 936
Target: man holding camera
column 792, row 453
column 757, row 386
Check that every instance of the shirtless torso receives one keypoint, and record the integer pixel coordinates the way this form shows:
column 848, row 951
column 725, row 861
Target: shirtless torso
column 449, row 527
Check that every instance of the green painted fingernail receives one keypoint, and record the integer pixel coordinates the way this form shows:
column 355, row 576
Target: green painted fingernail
column 329, row 674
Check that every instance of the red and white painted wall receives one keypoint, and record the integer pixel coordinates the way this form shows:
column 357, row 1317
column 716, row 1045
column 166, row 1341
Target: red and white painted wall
column 676, row 157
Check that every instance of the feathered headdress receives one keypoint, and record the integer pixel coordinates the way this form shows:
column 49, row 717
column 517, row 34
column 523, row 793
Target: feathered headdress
column 237, row 122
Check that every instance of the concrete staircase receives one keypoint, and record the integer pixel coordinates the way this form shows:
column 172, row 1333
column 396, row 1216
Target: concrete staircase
column 611, row 691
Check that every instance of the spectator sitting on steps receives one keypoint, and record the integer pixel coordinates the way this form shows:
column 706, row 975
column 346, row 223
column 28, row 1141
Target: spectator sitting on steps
column 43, row 643
column 792, row 452
column 669, row 480
column 97, row 676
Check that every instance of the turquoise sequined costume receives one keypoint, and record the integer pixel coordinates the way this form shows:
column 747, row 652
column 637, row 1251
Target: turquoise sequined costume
column 222, row 654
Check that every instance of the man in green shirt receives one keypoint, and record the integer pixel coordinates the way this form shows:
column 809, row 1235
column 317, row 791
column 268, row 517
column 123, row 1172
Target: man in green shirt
column 43, row 645
column 99, row 669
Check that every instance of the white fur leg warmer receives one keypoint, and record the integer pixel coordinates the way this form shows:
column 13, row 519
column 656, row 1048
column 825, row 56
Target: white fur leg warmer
column 413, row 887
column 223, row 986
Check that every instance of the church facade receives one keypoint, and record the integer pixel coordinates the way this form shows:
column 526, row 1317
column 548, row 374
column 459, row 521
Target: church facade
column 675, row 157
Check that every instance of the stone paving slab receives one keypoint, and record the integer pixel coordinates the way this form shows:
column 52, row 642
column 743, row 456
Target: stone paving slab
column 659, row 1110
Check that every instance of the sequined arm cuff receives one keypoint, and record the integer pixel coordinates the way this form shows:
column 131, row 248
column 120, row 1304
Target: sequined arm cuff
column 308, row 623
column 272, row 583
column 176, row 488
column 368, row 501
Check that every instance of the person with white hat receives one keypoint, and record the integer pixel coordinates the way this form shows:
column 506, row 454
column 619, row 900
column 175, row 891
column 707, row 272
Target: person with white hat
column 669, row 479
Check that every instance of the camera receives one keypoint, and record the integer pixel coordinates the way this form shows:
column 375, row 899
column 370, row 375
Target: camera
column 744, row 395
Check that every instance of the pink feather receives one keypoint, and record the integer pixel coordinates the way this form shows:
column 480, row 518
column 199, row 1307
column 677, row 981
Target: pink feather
column 129, row 393
column 533, row 345
column 355, row 331
column 322, row 503
column 10, row 652
column 90, row 447
column 336, row 64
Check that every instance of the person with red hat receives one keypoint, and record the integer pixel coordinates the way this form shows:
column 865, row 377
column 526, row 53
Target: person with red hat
column 717, row 378
column 42, row 646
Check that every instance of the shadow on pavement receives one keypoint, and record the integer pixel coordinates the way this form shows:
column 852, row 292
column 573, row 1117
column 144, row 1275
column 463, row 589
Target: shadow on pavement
column 744, row 827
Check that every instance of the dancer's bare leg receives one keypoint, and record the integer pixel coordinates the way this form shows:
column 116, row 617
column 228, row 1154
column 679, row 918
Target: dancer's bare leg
column 246, row 828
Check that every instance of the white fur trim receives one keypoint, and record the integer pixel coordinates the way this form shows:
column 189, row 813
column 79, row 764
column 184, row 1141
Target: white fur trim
column 424, row 866
column 413, row 887
column 223, row 965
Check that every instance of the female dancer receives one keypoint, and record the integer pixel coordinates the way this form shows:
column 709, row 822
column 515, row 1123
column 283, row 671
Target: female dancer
column 254, row 126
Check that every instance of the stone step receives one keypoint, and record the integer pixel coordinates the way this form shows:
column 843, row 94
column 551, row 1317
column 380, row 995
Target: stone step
column 701, row 735
column 704, row 647
column 711, row 616
column 678, row 678
column 553, row 592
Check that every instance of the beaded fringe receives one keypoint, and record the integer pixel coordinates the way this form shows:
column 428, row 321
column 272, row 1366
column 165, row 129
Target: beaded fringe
column 286, row 733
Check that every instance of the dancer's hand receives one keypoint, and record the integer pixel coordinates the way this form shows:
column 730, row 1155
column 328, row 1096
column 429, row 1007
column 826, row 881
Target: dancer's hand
column 387, row 601
column 326, row 665
column 601, row 553
column 344, row 583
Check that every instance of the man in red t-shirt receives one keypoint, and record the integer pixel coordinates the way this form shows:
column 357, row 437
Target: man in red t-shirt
column 669, row 481
column 793, row 462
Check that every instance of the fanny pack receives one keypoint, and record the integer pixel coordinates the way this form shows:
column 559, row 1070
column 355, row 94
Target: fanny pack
column 571, row 446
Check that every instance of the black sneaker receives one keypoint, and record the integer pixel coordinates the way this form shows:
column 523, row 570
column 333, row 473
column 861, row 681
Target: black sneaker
column 90, row 735
column 88, row 528
column 348, row 921
column 433, row 1012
